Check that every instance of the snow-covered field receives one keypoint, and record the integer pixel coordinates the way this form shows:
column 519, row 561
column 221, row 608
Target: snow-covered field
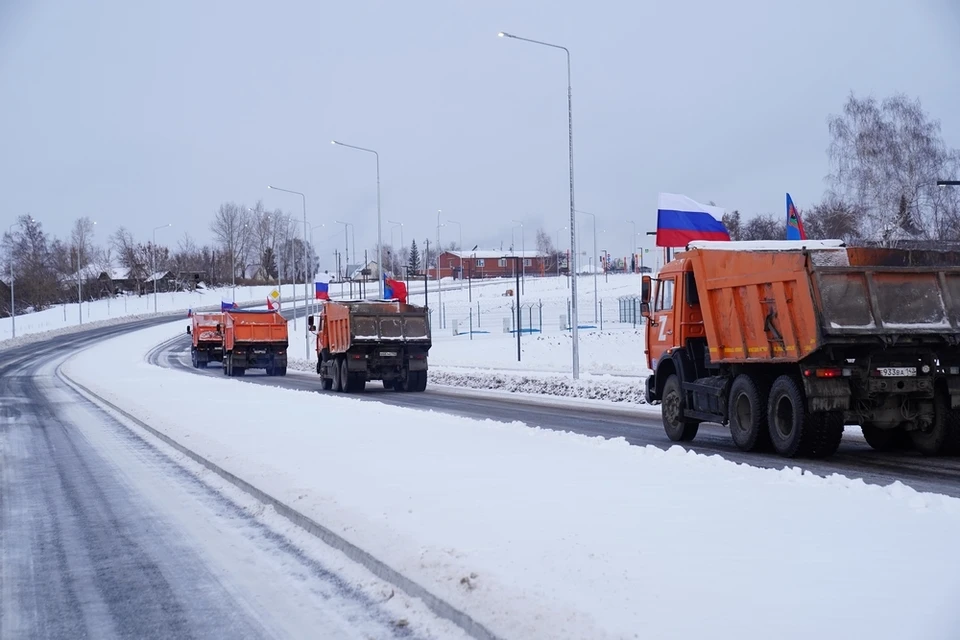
column 540, row 534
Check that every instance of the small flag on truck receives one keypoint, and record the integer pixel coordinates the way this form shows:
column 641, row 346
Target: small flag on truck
column 394, row 290
column 271, row 305
column 794, row 224
column 227, row 306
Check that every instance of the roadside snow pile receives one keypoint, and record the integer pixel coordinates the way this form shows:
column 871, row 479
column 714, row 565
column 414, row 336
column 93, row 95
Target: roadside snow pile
column 540, row 534
column 611, row 390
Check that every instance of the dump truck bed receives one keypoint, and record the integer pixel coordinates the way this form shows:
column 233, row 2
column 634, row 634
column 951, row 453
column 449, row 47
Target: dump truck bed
column 782, row 305
column 254, row 327
column 350, row 323
column 205, row 327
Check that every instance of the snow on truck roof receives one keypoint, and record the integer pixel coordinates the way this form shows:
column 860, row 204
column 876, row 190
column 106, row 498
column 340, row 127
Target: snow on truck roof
column 767, row 245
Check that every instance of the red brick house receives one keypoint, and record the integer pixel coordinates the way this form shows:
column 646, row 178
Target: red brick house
column 488, row 264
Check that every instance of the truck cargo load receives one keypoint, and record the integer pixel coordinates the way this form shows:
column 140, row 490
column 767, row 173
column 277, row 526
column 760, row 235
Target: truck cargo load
column 254, row 340
column 204, row 329
column 372, row 340
column 787, row 342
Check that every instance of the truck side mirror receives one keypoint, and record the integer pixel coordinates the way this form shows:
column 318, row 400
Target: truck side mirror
column 645, row 309
column 188, row 329
column 310, row 324
column 645, row 285
column 219, row 330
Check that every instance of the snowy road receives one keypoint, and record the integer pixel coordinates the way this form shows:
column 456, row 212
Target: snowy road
column 104, row 534
column 854, row 459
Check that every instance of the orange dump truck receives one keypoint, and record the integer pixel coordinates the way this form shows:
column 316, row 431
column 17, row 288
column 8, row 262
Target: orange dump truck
column 207, row 341
column 788, row 341
column 254, row 340
column 372, row 340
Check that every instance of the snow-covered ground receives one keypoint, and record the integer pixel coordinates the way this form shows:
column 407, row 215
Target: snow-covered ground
column 540, row 534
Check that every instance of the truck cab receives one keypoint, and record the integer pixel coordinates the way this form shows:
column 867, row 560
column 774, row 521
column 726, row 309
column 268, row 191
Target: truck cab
column 671, row 306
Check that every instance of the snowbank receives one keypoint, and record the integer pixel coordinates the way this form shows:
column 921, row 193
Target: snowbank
column 541, row 534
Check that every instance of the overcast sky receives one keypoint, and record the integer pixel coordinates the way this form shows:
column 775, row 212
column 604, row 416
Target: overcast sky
column 140, row 113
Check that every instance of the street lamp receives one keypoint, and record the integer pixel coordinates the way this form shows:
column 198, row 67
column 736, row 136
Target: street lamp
column 523, row 259
column 82, row 240
column 948, row 183
column 13, row 303
column 633, row 243
column 153, row 262
column 573, row 217
column 346, row 239
column 596, row 301
column 379, row 228
column 401, row 233
column 306, row 332
column 460, row 245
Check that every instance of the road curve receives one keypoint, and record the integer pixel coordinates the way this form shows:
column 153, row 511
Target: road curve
column 854, row 459
column 104, row 535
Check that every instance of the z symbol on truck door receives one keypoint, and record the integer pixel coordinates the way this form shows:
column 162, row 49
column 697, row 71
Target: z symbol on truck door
column 663, row 327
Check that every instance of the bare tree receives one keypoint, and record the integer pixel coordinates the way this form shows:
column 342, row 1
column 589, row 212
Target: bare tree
column 731, row 220
column 763, row 227
column 885, row 160
column 230, row 227
column 832, row 219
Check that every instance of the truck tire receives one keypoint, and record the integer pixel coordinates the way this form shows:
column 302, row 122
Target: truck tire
column 346, row 380
column 280, row 371
column 941, row 436
column 228, row 366
column 359, row 383
column 829, row 433
column 193, row 359
column 422, row 383
column 748, row 414
column 335, row 380
column 239, row 371
column 677, row 428
column 886, row 439
column 793, row 430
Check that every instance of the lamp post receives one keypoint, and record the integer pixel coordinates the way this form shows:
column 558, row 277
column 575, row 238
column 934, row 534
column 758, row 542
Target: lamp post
column 523, row 258
column 633, row 244
column 573, row 217
column 379, row 226
column 460, row 245
column 346, row 241
column 82, row 240
column 439, row 251
column 13, row 302
column 153, row 261
column 557, row 234
column 306, row 333
column 948, row 183
column 596, row 300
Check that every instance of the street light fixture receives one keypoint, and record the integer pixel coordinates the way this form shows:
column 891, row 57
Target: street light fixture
column 80, row 244
column 13, row 302
column 460, row 244
column 948, row 183
column 379, row 226
column 573, row 218
column 153, row 262
column 523, row 259
column 346, row 245
column 306, row 332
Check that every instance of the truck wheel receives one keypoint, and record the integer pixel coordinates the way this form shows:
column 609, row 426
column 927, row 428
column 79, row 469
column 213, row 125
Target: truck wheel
column 678, row 429
column 939, row 437
column 748, row 415
column 346, row 380
column 359, row 384
column 886, row 439
column 280, row 371
column 828, row 433
column 229, row 366
column 193, row 359
column 239, row 371
column 269, row 371
column 335, row 380
column 793, row 430
column 422, row 381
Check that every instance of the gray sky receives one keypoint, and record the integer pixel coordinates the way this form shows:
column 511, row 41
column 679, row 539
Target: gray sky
column 143, row 113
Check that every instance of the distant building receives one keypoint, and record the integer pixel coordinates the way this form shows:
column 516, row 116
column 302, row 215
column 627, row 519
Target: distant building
column 488, row 264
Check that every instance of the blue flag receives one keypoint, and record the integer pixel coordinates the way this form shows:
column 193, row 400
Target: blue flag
column 794, row 225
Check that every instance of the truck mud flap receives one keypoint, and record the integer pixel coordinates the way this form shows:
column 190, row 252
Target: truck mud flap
column 826, row 394
column 417, row 364
column 953, row 388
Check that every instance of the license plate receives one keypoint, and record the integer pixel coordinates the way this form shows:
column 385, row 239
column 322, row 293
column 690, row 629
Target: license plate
column 897, row 372
column 388, row 354
column 259, row 350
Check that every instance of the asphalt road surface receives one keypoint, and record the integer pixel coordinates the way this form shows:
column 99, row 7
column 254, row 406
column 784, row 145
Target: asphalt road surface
column 854, row 459
column 104, row 535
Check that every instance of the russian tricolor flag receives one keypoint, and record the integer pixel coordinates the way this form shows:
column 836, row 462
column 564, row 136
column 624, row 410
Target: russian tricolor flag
column 321, row 287
column 227, row 306
column 681, row 220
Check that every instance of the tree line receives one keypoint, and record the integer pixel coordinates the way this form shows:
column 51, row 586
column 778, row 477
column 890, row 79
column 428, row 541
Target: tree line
column 250, row 246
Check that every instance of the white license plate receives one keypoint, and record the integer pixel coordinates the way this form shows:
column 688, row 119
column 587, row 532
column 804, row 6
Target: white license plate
column 388, row 354
column 897, row 372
